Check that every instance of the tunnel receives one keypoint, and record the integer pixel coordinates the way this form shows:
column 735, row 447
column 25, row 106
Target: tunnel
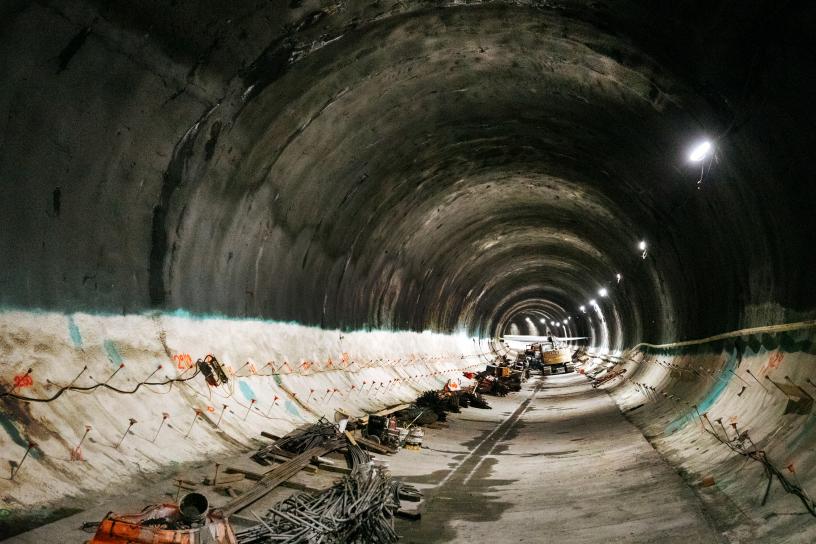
column 351, row 203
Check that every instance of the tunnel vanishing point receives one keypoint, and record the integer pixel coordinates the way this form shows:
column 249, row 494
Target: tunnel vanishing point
column 328, row 195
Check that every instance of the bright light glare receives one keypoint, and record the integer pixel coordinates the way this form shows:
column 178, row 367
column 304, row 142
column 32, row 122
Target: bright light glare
column 619, row 277
column 543, row 321
column 642, row 245
column 603, row 292
column 565, row 322
column 552, row 323
column 700, row 151
column 582, row 308
column 593, row 302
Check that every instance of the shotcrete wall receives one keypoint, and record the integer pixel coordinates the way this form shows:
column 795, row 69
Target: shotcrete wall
column 679, row 394
column 282, row 375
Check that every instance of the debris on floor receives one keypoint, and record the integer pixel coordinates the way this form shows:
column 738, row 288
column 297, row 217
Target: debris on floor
column 189, row 522
column 359, row 504
column 358, row 508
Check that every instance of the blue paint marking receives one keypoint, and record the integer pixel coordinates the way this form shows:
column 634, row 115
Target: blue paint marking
column 246, row 390
column 709, row 400
column 113, row 354
column 73, row 332
column 16, row 437
column 291, row 408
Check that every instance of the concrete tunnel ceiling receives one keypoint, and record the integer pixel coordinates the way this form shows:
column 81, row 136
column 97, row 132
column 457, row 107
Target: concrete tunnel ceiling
column 421, row 165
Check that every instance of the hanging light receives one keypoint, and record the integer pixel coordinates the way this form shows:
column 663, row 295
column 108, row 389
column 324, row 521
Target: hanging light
column 603, row 292
column 700, row 151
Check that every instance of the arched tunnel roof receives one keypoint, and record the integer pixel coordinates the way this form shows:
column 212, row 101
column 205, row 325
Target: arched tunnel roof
column 412, row 165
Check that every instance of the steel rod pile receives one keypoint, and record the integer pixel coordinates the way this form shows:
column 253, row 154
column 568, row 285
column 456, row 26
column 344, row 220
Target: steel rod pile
column 314, row 435
column 359, row 509
column 321, row 434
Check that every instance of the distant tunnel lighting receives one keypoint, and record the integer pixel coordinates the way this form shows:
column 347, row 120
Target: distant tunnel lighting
column 543, row 321
column 618, row 276
column 642, row 247
column 593, row 302
column 552, row 323
column 565, row 322
column 603, row 292
column 700, row 151
column 582, row 308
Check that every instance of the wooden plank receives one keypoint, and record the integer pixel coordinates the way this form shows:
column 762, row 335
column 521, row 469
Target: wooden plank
column 391, row 409
column 273, row 479
column 373, row 446
column 350, row 438
column 248, row 474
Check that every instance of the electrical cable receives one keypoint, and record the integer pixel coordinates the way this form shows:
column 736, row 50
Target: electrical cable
column 90, row 388
column 737, row 446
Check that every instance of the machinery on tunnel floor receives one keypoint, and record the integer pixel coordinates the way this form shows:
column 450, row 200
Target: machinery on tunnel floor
column 553, row 356
column 546, row 353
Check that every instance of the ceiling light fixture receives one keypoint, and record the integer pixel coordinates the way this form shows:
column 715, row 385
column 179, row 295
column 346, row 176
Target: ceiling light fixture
column 603, row 292
column 701, row 151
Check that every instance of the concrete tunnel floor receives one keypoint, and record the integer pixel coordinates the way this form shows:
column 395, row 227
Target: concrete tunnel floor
column 555, row 462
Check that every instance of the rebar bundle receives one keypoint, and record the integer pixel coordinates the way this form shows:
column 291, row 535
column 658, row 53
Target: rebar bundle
column 318, row 434
column 358, row 509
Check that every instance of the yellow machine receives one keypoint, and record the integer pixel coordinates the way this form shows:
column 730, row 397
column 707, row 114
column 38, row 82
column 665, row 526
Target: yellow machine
column 554, row 357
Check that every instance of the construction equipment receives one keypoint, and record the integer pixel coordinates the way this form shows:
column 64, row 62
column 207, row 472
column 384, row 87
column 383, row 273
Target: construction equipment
column 191, row 522
column 212, row 370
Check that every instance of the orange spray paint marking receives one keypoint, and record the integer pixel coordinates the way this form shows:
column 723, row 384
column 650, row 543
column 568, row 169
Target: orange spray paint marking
column 183, row 361
column 23, row 381
column 776, row 359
